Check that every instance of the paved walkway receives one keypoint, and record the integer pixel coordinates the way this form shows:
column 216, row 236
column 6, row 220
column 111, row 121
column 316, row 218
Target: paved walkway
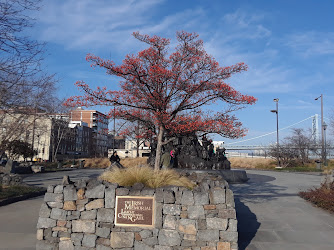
column 271, row 215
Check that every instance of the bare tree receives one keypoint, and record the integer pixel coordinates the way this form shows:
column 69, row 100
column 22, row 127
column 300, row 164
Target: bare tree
column 25, row 89
column 294, row 149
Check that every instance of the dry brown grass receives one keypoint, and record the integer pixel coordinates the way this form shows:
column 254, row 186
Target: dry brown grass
column 252, row 163
column 132, row 162
column 104, row 162
column 97, row 163
column 147, row 176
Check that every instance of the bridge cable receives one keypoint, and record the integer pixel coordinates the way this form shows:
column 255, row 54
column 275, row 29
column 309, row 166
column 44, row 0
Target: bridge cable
column 270, row 132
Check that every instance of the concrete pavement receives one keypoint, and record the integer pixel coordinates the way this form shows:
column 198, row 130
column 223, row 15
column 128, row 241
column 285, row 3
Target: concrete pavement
column 271, row 215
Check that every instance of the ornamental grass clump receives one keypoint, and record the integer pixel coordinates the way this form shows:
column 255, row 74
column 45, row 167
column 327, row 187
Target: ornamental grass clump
column 147, row 176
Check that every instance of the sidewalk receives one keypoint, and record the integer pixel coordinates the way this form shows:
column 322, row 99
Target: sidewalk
column 271, row 215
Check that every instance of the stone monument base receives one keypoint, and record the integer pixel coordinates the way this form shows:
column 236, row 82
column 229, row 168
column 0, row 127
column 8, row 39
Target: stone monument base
column 231, row 176
column 234, row 176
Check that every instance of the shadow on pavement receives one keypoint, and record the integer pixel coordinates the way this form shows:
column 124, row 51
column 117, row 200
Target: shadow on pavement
column 247, row 224
column 258, row 189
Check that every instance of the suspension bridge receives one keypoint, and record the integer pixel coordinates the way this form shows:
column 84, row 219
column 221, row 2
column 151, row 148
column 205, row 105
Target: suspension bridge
column 240, row 146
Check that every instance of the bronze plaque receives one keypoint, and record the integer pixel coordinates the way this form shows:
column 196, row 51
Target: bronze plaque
column 136, row 211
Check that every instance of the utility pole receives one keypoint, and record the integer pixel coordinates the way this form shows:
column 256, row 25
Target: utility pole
column 277, row 139
column 322, row 129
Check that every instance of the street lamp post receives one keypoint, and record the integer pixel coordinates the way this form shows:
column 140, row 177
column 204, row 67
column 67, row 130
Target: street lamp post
column 322, row 129
column 277, row 140
column 325, row 148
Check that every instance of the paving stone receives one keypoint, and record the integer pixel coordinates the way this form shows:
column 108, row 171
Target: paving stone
column 145, row 233
column 201, row 198
column 50, row 188
column 81, row 194
column 44, row 245
column 168, row 196
column 50, row 197
column 103, row 232
column 151, row 241
column 187, row 226
column 102, row 247
column 187, row 198
column 53, row 204
column 88, row 215
column 169, row 222
column 82, row 183
column 74, row 215
column 70, row 205
column 83, row 226
column 96, row 192
column 223, row 246
column 148, row 192
column 77, row 238
column 216, row 223
column 171, row 209
column 228, row 236
column 122, row 191
column 195, row 212
column 40, row 234
column 66, row 245
column 89, row 240
column 95, row 204
column 232, row 225
column 141, row 246
column 159, row 195
column 59, row 189
column 70, row 193
column 58, row 214
column 103, row 241
column 46, row 223
column 105, row 215
column 44, row 211
column 229, row 198
column 227, row 214
column 121, row 239
column 110, row 197
column 169, row 238
column 158, row 215
column 217, row 195
column 208, row 235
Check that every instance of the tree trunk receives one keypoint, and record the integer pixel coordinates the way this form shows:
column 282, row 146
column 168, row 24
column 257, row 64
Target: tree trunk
column 158, row 151
column 138, row 145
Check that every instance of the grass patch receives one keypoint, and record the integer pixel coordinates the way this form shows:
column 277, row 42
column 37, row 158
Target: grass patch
column 253, row 163
column 322, row 197
column 271, row 164
column 19, row 190
column 146, row 176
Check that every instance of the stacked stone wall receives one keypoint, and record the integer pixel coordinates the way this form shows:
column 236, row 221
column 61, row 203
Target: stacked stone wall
column 10, row 179
column 81, row 216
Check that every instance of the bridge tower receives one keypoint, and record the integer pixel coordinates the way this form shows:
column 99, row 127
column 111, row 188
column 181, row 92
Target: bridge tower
column 315, row 128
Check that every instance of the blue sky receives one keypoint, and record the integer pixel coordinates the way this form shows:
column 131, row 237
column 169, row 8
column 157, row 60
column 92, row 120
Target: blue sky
column 287, row 44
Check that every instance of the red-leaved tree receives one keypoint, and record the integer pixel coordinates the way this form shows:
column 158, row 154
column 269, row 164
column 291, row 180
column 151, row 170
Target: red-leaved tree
column 169, row 90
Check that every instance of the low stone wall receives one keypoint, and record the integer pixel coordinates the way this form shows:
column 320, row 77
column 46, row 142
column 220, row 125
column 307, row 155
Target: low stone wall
column 81, row 216
column 10, row 179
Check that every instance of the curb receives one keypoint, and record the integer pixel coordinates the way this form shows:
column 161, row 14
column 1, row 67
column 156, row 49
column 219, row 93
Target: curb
column 21, row 198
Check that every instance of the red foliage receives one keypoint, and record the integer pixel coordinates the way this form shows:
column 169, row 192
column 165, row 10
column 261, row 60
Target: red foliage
column 322, row 197
column 167, row 91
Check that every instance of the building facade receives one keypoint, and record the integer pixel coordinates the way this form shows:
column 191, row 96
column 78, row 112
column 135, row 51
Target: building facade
column 98, row 122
